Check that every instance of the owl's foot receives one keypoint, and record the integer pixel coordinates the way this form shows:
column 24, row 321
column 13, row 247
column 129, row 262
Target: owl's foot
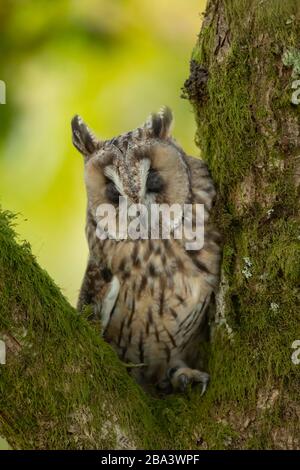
column 181, row 377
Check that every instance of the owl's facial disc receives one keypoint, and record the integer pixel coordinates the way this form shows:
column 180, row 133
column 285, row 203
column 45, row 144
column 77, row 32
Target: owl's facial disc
column 133, row 179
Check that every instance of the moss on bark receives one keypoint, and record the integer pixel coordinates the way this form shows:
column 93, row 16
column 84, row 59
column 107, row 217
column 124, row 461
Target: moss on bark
column 248, row 132
column 62, row 386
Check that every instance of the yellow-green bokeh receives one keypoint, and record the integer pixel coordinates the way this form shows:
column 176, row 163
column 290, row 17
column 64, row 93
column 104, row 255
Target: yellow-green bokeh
column 111, row 61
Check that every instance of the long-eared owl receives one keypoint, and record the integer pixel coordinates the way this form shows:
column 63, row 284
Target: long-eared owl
column 152, row 295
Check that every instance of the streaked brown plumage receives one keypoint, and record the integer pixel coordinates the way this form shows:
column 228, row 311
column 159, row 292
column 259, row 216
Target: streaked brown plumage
column 152, row 295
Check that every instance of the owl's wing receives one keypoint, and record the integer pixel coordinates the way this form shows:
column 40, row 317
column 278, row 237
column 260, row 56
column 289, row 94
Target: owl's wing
column 99, row 289
column 206, row 259
column 202, row 185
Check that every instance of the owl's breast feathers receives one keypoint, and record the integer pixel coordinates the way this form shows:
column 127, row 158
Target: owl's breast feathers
column 163, row 296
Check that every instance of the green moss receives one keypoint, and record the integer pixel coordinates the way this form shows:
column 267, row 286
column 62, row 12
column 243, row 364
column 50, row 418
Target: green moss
column 218, row 127
column 4, row 444
column 66, row 382
column 246, row 134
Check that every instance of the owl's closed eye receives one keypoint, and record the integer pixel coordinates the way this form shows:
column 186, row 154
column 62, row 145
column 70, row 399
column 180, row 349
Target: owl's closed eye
column 155, row 183
column 112, row 193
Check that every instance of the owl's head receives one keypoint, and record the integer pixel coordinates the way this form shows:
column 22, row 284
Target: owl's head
column 144, row 165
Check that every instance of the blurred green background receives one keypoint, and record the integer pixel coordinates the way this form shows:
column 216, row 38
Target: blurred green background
column 112, row 62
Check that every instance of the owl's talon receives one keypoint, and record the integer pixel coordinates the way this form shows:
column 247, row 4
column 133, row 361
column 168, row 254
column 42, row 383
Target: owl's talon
column 204, row 386
column 182, row 376
column 183, row 381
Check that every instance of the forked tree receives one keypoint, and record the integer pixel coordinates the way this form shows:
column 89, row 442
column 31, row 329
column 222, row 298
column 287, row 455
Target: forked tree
column 63, row 387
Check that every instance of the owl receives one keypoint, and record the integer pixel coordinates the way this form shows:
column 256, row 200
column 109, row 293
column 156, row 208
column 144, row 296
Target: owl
column 152, row 295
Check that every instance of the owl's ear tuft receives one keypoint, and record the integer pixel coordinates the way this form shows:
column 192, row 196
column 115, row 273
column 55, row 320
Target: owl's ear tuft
column 160, row 124
column 83, row 139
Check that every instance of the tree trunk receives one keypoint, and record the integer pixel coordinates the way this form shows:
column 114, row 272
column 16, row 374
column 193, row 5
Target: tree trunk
column 63, row 387
column 244, row 90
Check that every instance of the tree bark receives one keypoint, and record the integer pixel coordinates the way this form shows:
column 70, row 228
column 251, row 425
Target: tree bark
column 244, row 90
column 63, row 387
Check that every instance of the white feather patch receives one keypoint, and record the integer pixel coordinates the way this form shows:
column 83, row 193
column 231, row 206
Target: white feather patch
column 113, row 176
column 109, row 301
